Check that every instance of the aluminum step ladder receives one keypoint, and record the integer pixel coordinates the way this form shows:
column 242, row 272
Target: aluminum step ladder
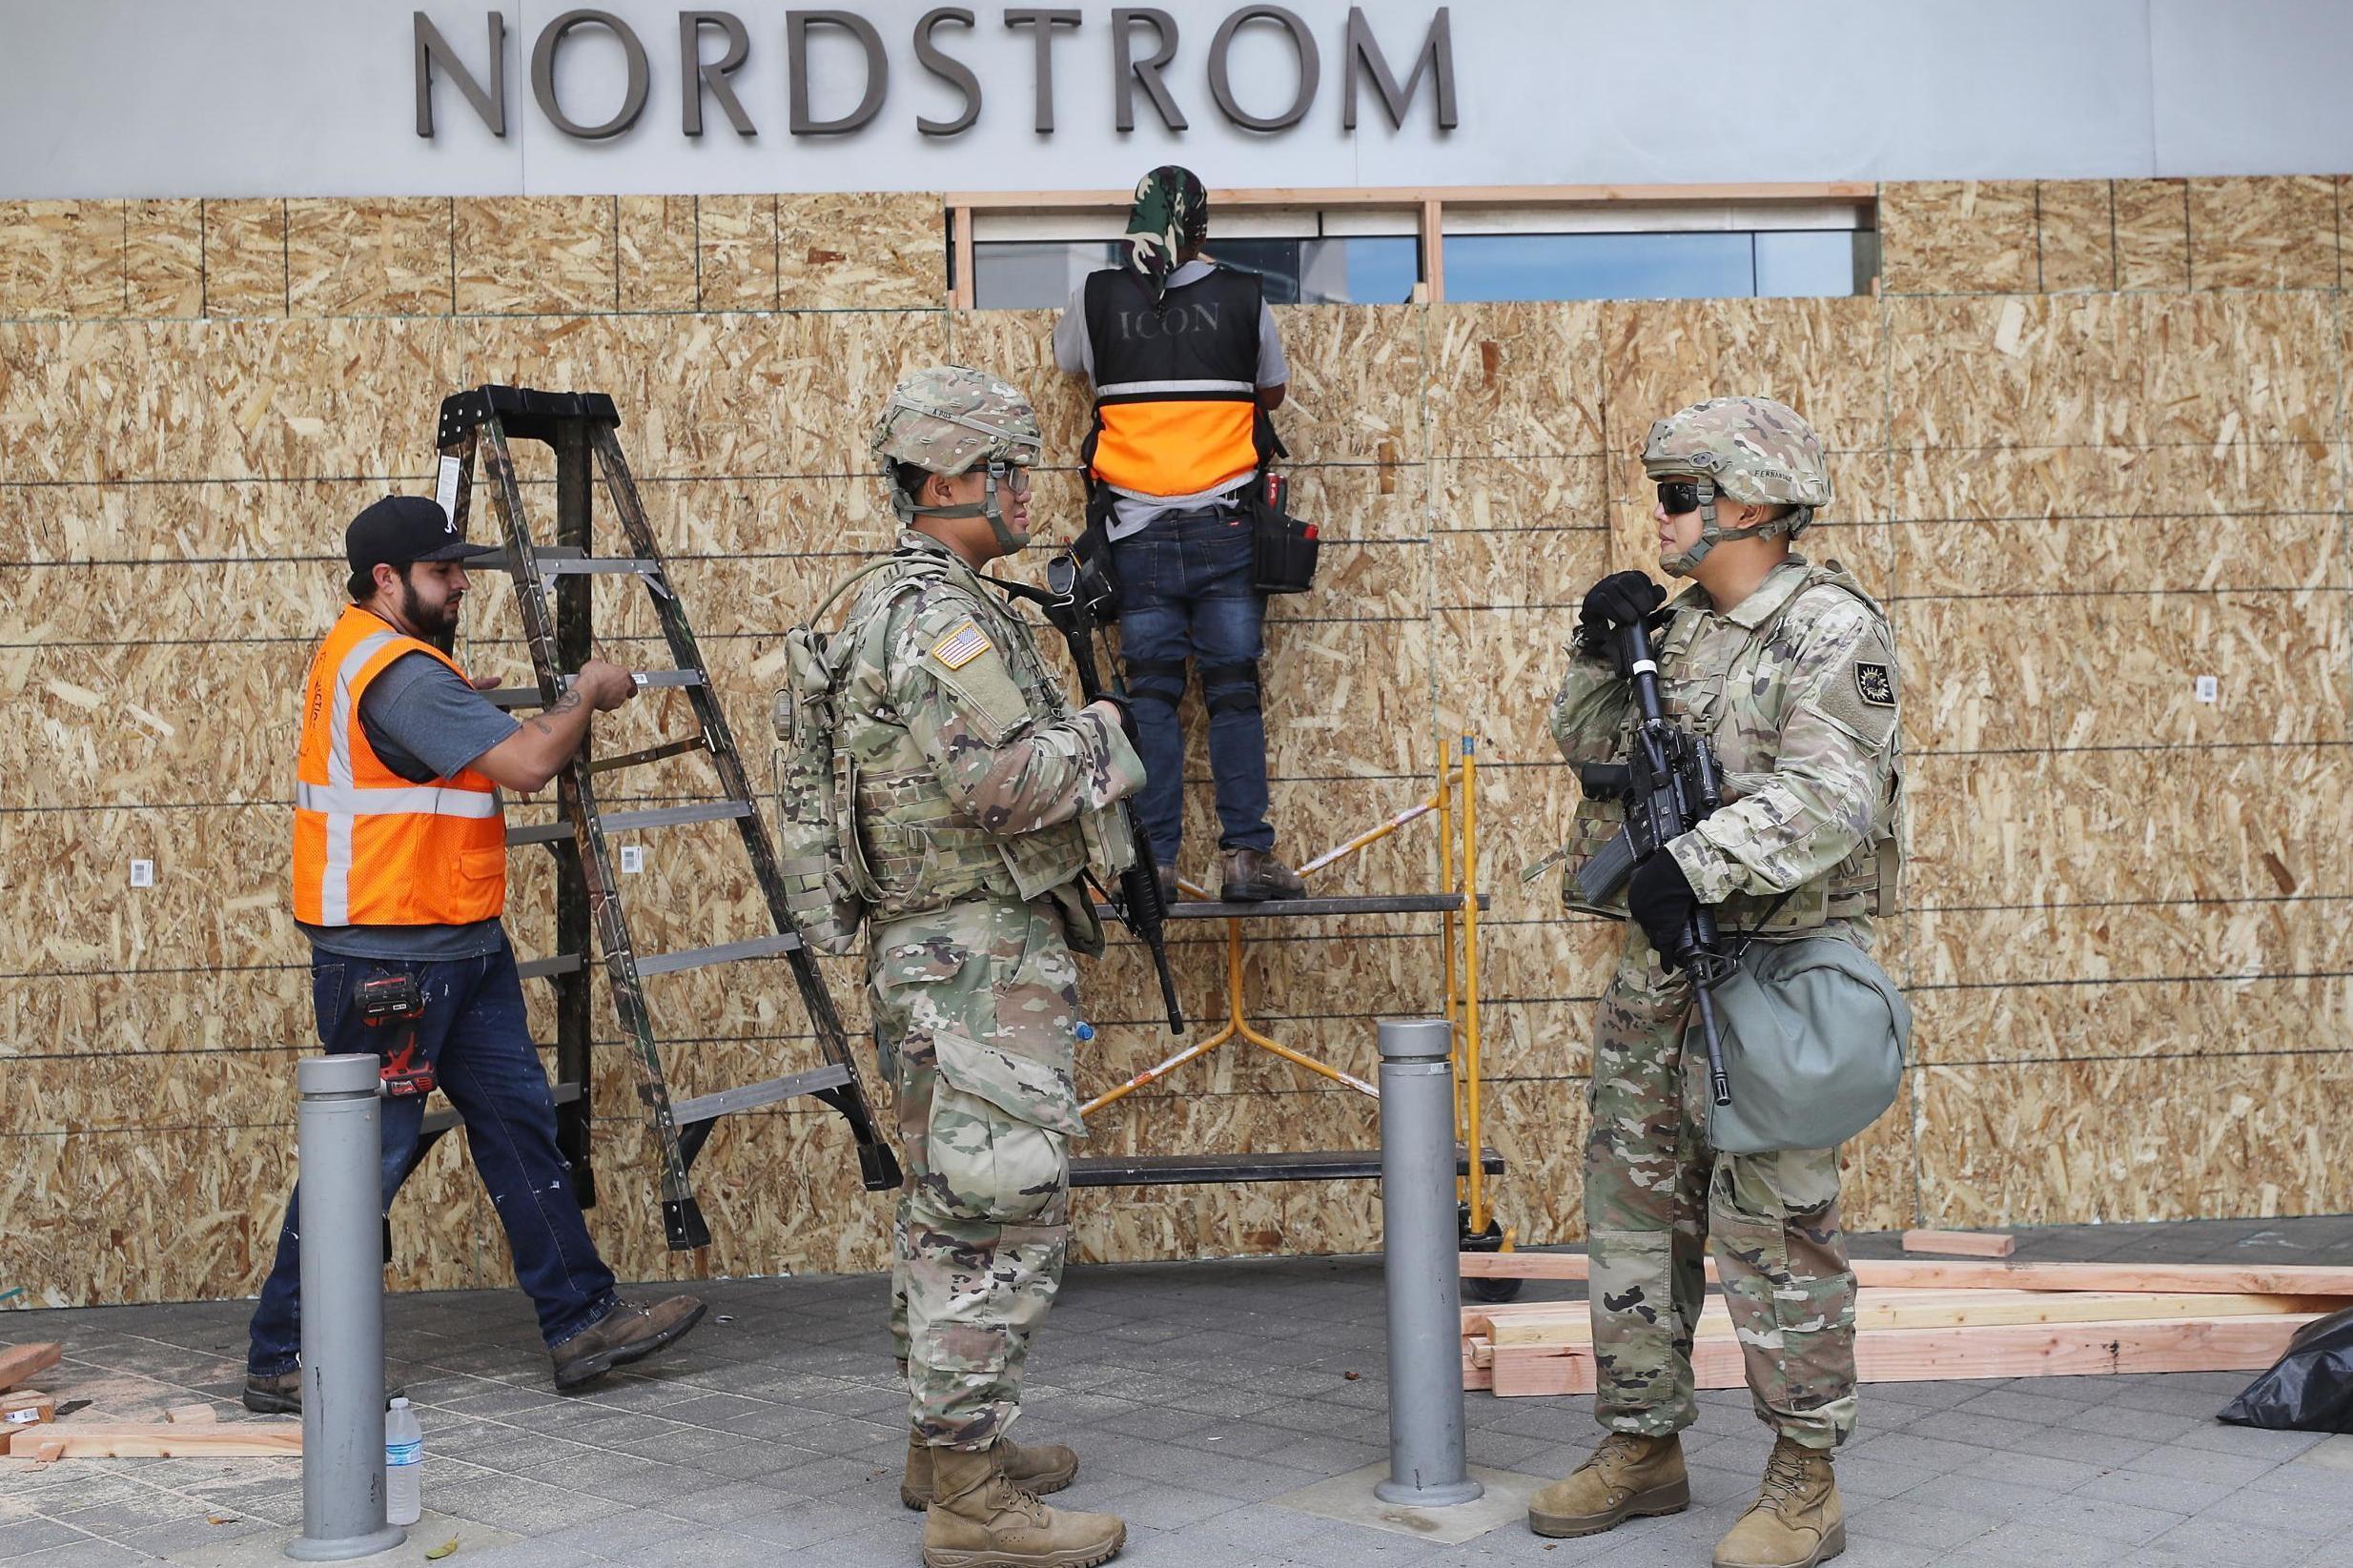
column 552, row 586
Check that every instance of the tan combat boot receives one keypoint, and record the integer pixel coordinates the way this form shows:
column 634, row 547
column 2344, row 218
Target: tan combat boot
column 1038, row 1471
column 979, row 1520
column 1628, row 1474
column 1795, row 1522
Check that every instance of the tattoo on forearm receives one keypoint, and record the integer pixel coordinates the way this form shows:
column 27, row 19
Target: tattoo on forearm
column 565, row 704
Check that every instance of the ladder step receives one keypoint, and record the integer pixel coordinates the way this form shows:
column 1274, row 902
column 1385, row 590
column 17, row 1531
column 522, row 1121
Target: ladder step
column 726, row 952
column 616, row 821
column 703, row 1107
column 1196, row 1170
column 447, row 1117
column 540, row 968
column 576, row 565
column 528, row 697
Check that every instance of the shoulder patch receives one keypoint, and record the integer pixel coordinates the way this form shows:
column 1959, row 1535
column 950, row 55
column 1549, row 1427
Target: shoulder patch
column 1874, row 683
column 964, row 642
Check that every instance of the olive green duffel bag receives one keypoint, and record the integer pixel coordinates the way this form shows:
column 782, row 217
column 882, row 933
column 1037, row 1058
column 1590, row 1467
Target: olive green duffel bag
column 1814, row 1045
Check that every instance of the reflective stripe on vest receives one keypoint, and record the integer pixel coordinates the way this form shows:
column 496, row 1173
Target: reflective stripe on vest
column 371, row 847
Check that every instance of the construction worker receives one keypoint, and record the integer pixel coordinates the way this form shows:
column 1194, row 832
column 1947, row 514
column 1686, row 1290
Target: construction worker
column 1791, row 669
column 1185, row 361
column 400, row 878
column 979, row 796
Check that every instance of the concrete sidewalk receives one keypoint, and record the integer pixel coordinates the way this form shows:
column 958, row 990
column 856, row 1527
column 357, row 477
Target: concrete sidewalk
column 1213, row 1405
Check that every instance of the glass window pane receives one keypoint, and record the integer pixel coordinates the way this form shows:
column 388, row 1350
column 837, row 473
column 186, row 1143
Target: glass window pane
column 1357, row 269
column 1030, row 274
column 1817, row 262
column 1651, row 266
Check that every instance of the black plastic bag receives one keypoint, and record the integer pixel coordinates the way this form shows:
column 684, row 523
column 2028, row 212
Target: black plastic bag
column 2309, row 1389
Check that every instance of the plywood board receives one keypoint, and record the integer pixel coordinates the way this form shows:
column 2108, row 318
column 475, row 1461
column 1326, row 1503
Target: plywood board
column 2076, row 236
column 1827, row 358
column 380, row 255
column 735, row 252
column 2273, row 232
column 2279, row 936
column 1957, row 237
column 656, row 238
column 1951, row 1279
column 2003, row 558
column 61, row 258
column 1358, row 382
column 535, row 254
column 1521, row 380
column 1571, row 1325
column 163, row 258
column 1518, row 531
column 862, row 251
column 244, row 257
column 2153, row 235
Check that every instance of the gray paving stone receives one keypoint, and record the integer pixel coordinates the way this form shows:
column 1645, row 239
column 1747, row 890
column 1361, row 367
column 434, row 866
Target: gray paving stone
column 2033, row 1470
column 1996, row 1502
column 34, row 1535
column 2143, row 1489
column 2202, row 1464
column 2079, row 1515
column 2017, row 1545
column 2214, row 1543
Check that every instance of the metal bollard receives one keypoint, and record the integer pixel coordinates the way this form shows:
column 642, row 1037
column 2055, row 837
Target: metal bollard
column 342, row 1144
column 1419, row 1247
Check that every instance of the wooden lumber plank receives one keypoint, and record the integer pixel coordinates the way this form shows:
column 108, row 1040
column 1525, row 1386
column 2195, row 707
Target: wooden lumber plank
column 27, row 1407
column 1911, row 1355
column 1961, row 1243
column 190, row 1415
column 1482, row 1319
column 46, row 1449
column 23, row 1363
column 1576, row 1328
column 2218, row 1279
column 141, row 1440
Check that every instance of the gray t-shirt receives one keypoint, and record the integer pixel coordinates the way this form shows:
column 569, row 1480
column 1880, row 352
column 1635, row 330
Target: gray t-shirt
column 424, row 724
column 1073, row 352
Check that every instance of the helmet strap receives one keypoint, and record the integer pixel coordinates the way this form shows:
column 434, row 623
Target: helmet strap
column 988, row 507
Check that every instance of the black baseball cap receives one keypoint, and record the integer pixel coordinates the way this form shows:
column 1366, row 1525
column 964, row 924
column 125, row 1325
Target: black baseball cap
column 400, row 529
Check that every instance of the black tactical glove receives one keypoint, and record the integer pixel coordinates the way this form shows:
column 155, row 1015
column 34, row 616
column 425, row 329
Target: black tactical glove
column 1619, row 599
column 1663, row 904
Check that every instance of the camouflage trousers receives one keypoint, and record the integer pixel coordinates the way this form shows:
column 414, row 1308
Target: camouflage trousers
column 975, row 1007
column 1655, row 1193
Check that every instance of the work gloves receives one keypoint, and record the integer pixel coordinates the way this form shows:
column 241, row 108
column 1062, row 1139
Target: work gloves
column 1619, row 599
column 1661, row 902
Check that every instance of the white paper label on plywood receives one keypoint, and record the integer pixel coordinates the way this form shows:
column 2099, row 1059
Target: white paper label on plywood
column 142, row 873
column 129, row 98
column 2208, row 689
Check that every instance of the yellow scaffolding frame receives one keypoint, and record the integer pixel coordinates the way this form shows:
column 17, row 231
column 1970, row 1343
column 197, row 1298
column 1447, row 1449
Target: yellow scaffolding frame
column 1461, row 986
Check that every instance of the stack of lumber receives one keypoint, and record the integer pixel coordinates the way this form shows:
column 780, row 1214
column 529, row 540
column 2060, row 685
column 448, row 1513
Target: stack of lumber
column 29, row 1428
column 1918, row 1320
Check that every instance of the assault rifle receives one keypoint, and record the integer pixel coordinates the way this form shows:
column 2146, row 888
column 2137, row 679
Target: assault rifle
column 1072, row 602
column 1669, row 784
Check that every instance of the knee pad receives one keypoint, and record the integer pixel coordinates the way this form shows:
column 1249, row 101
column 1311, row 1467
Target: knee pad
column 1159, row 680
column 1230, row 688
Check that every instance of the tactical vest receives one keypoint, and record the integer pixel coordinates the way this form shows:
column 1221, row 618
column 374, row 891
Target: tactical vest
column 1698, row 657
column 1176, row 383
column 902, row 846
column 370, row 846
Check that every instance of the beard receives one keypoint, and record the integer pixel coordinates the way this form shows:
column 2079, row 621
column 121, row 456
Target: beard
column 439, row 624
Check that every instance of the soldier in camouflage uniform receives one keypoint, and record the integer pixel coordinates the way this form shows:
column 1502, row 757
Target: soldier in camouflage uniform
column 1790, row 668
column 977, row 801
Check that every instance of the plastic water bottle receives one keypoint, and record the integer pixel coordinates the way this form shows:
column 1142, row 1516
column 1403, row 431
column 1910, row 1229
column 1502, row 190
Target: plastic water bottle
column 405, row 1463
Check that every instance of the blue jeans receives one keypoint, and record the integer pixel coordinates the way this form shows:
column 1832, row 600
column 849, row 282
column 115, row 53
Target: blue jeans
column 1184, row 593
column 474, row 1034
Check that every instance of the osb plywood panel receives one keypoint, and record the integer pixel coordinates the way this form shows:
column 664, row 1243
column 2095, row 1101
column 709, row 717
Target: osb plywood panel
column 735, row 252
column 2266, row 935
column 2295, row 550
column 1347, row 697
column 2269, row 233
column 2126, row 484
column 2087, row 370
column 2091, row 827
column 1497, row 669
column 1517, row 381
column 102, row 1015
column 239, row 600
column 61, row 258
column 535, row 254
column 163, row 258
column 1545, row 954
column 2075, row 1019
column 152, row 722
column 1827, row 358
column 1957, row 237
column 861, row 250
column 219, row 897
column 1356, row 383
column 2130, row 1141
column 656, row 245
column 1018, row 345
column 245, row 257
column 1346, row 501
column 377, row 256
column 2126, row 673
column 2075, row 234
column 2153, row 235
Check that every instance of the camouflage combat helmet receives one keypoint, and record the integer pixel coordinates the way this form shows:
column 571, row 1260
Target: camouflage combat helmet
column 948, row 418
column 1754, row 450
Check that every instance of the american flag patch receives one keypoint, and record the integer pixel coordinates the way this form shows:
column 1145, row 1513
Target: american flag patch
column 963, row 645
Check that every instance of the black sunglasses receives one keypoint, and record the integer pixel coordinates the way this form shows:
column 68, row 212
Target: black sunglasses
column 1676, row 496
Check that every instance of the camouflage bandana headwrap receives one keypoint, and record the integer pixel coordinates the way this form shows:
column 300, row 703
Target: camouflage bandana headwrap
column 1170, row 215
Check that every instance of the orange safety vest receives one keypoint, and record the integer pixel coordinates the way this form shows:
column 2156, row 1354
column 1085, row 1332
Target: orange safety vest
column 372, row 847
column 1175, row 394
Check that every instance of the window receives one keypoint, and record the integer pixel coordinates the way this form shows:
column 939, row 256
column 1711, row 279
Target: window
column 1360, row 269
column 1661, row 264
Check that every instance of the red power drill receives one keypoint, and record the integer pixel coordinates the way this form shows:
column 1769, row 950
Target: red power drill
column 393, row 999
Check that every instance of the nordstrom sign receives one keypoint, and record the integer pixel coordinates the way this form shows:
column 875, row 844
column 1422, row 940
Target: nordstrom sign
column 1137, row 47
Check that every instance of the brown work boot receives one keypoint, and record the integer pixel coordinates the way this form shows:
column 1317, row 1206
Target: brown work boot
column 1252, row 876
column 624, row 1335
column 1795, row 1522
column 979, row 1520
column 1628, row 1474
column 280, row 1393
column 1170, row 892
column 1038, row 1471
